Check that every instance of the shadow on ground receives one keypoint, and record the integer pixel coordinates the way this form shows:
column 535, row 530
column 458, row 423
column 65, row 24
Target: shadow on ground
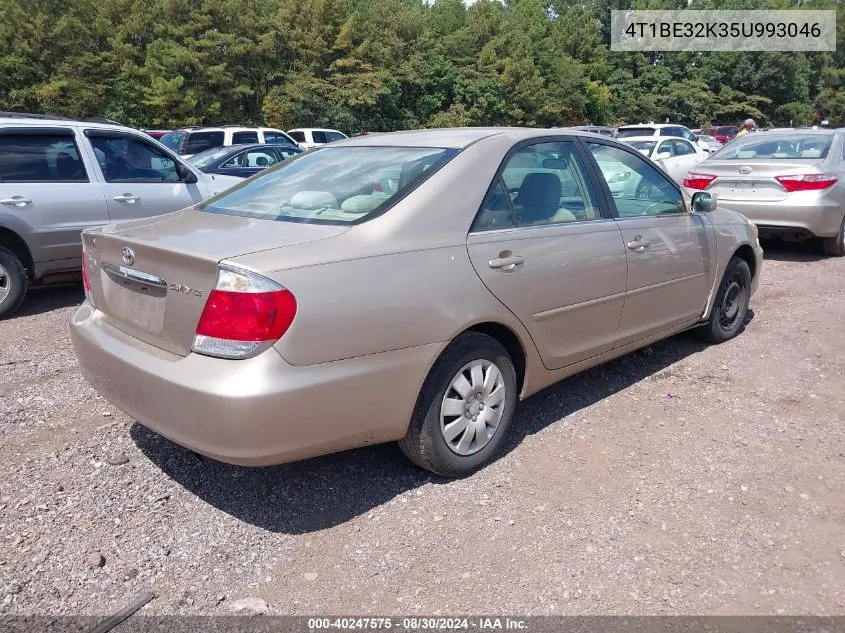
column 49, row 298
column 319, row 493
column 782, row 251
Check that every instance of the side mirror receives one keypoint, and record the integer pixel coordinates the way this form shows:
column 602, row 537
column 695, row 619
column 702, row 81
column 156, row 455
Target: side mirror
column 703, row 202
column 185, row 174
column 664, row 154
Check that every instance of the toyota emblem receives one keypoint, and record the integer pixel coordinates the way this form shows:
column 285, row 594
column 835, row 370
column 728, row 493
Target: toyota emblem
column 128, row 256
column 745, row 170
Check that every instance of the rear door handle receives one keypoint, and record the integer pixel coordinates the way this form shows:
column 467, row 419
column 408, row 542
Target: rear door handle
column 16, row 201
column 129, row 198
column 638, row 244
column 506, row 263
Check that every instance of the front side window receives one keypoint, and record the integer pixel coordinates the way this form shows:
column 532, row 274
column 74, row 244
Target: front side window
column 545, row 183
column 318, row 136
column 40, row 158
column 201, row 141
column 683, row 148
column 297, row 135
column 251, row 158
column 334, row 136
column 243, row 138
column 126, row 159
column 638, row 189
column 336, row 185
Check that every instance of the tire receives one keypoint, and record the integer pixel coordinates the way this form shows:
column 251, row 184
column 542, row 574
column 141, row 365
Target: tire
column 426, row 443
column 13, row 282
column 727, row 317
column 835, row 246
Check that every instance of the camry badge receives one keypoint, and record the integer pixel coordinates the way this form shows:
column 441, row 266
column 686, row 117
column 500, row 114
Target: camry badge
column 128, row 256
column 745, row 170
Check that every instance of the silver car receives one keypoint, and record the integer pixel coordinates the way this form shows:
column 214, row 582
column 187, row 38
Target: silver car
column 790, row 183
column 408, row 287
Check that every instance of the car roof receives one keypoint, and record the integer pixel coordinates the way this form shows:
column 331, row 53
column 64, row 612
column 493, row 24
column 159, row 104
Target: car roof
column 314, row 129
column 652, row 125
column 457, row 138
column 62, row 122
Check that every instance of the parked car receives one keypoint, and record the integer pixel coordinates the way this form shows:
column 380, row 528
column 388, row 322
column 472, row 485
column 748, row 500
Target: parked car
column 659, row 129
column 675, row 155
column 722, row 133
column 310, row 311
column 308, row 137
column 790, row 183
column 189, row 141
column 59, row 176
column 595, row 129
column 713, row 145
column 242, row 161
column 156, row 134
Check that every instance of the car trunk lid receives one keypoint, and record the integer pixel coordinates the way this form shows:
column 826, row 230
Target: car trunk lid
column 743, row 180
column 150, row 278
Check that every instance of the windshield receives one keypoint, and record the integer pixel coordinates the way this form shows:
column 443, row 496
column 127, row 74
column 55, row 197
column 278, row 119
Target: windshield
column 782, row 146
column 171, row 140
column 208, row 156
column 335, row 185
column 635, row 131
column 644, row 147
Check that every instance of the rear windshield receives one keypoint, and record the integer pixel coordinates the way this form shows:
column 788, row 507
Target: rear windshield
column 644, row 147
column 209, row 156
column 171, row 140
column 635, row 131
column 786, row 146
column 333, row 185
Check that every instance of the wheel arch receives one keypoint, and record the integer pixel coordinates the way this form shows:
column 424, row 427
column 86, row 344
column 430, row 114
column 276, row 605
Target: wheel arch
column 746, row 253
column 16, row 244
column 508, row 339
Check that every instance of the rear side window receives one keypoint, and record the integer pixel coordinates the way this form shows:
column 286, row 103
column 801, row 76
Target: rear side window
column 240, row 138
column 201, row 141
column 319, row 136
column 297, row 136
column 335, row 185
column 276, row 137
column 334, row 136
column 40, row 158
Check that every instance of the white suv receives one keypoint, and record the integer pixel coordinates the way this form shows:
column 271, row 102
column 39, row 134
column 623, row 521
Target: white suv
column 308, row 137
column 660, row 129
column 193, row 140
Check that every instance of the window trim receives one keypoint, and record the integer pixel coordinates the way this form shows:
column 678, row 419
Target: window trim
column 96, row 133
column 606, row 188
column 604, row 211
column 53, row 132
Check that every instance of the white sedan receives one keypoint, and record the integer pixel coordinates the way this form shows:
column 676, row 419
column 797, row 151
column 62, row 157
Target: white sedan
column 677, row 156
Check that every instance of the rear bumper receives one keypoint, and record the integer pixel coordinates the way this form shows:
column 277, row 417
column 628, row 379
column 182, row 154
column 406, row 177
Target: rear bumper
column 252, row 412
column 810, row 218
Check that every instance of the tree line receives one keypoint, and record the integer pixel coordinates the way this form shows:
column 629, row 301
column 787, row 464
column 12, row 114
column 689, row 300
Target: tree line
column 383, row 65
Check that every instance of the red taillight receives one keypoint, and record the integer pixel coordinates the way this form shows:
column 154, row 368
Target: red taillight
column 698, row 181
column 807, row 182
column 243, row 315
column 247, row 316
column 86, row 280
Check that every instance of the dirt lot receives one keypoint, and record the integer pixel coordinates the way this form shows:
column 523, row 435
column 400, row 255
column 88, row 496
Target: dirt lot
column 680, row 479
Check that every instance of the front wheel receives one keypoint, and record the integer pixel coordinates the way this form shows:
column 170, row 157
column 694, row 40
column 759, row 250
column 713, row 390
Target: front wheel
column 727, row 317
column 464, row 408
column 13, row 282
column 835, row 246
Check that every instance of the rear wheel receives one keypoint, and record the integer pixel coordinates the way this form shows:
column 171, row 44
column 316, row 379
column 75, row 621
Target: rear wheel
column 13, row 282
column 464, row 408
column 727, row 317
column 835, row 246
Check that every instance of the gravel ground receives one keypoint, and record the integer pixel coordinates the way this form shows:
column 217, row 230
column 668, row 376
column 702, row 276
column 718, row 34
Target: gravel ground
column 679, row 479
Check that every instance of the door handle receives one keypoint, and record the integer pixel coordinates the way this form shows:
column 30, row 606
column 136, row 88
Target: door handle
column 128, row 198
column 638, row 244
column 16, row 201
column 506, row 261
